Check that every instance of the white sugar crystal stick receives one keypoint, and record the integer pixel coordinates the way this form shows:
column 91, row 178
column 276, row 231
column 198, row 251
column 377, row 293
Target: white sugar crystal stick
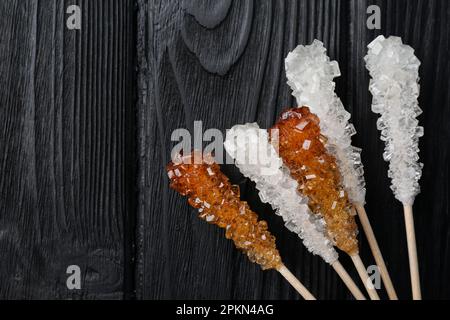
column 310, row 75
column 395, row 88
column 258, row 160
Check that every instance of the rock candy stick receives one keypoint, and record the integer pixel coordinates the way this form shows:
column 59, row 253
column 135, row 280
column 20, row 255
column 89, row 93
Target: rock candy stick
column 258, row 160
column 395, row 88
column 218, row 203
column 310, row 75
column 301, row 146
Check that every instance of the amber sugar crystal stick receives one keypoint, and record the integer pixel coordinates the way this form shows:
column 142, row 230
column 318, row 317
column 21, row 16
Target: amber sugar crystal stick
column 310, row 74
column 218, row 202
column 301, row 147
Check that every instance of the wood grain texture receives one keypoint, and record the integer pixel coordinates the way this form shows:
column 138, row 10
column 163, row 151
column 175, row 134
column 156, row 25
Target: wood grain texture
column 66, row 98
column 82, row 177
column 222, row 62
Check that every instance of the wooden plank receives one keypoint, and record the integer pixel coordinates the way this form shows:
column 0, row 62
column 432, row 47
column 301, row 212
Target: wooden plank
column 65, row 103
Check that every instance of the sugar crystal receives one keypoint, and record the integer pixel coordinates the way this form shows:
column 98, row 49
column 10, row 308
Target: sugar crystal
column 278, row 188
column 310, row 75
column 395, row 89
column 241, row 224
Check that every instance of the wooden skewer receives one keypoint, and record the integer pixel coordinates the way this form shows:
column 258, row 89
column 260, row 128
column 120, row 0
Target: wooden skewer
column 351, row 285
column 412, row 252
column 295, row 283
column 362, row 214
column 364, row 277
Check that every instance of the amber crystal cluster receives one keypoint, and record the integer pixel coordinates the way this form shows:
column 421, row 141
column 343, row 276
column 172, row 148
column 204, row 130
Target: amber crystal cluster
column 301, row 146
column 218, row 202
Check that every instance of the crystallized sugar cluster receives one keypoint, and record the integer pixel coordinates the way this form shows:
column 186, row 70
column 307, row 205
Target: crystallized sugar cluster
column 217, row 201
column 310, row 74
column 258, row 160
column 394, row 85
column 301, row 147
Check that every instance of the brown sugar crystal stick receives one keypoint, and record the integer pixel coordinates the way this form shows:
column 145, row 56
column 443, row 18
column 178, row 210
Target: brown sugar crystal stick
column 318, row 93
column 301, row 147
column 218, row 203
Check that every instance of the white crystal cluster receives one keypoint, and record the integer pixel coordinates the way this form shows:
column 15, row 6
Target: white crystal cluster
column 258, row 160
column 310, row 75
column 394, row 86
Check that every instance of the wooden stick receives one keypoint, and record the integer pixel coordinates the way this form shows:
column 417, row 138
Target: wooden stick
column 412, row 252
column 364, row 277
column 351, row 285
column 362, row 214
column 296, row 283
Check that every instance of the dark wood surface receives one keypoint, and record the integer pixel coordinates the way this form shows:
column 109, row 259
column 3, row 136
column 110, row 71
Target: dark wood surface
column 65, row 102
column 227, row 68
column 84, row 139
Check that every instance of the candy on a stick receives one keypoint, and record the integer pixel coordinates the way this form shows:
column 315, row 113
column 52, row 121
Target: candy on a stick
column 258, row 160
column 218, row 203
column 301, row 146
column 395, row 88
column 302, row 150
column 277, row 187
column 310, row 74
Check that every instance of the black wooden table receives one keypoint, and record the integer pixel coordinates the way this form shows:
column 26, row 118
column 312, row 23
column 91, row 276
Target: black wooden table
column 86, row 118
